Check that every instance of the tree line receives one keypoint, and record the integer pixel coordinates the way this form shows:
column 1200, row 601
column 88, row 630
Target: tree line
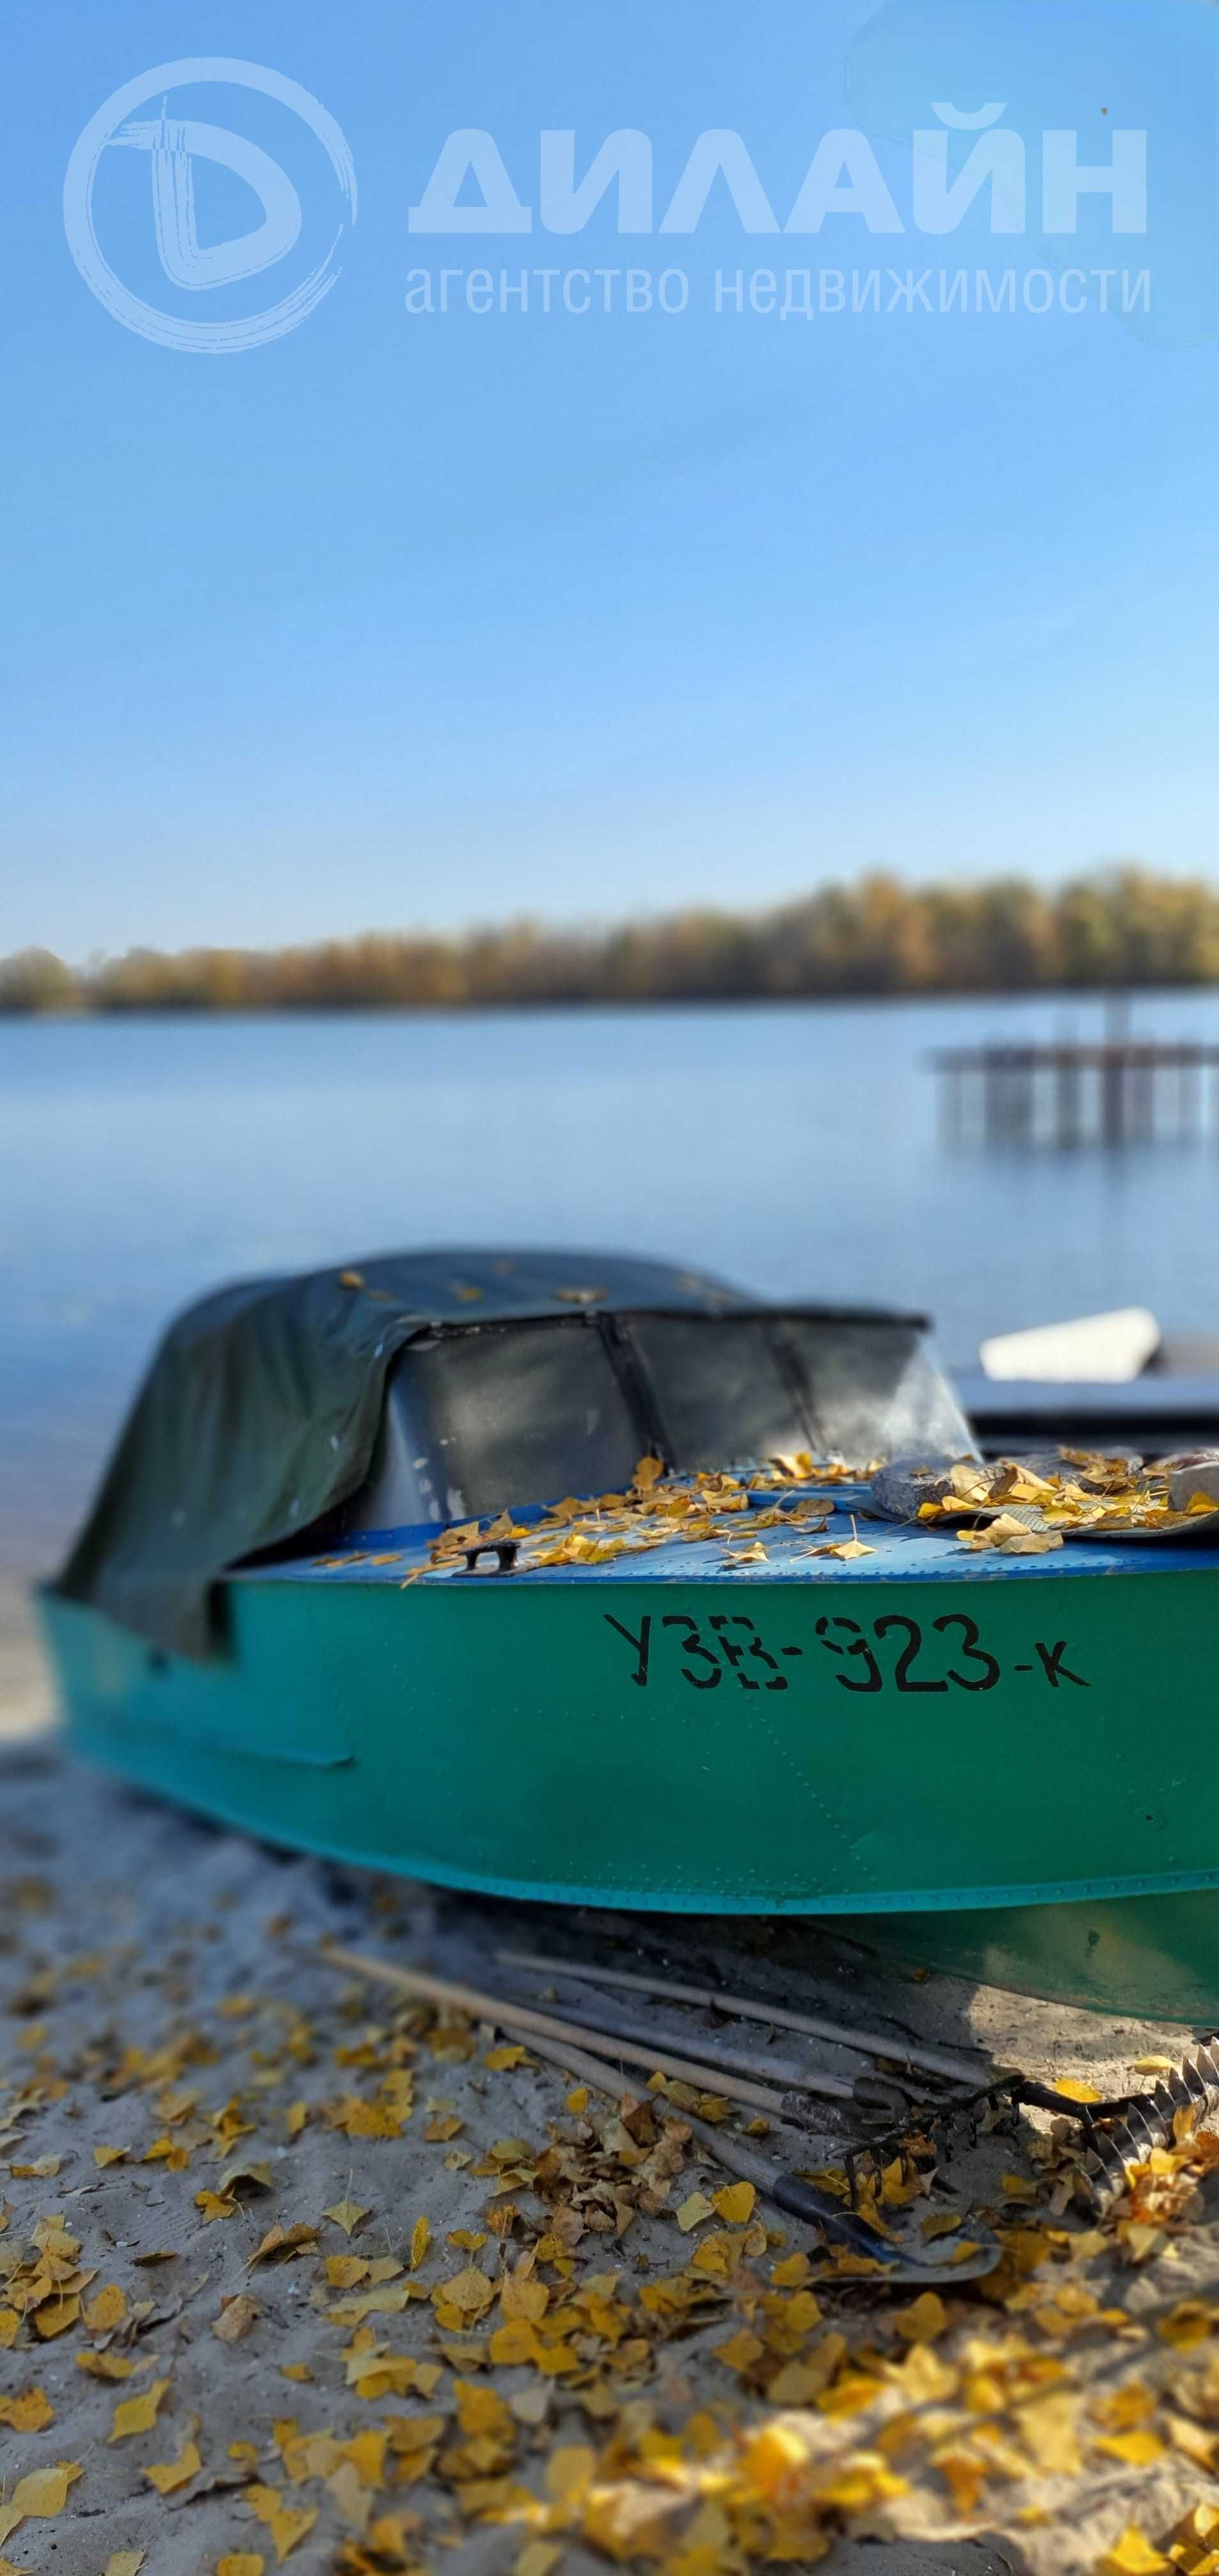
column 875, row 937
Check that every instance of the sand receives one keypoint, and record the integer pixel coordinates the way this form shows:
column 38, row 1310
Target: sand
column 128, row 1926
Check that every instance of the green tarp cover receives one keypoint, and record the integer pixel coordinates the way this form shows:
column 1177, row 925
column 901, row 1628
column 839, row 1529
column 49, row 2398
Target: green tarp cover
column 262, row 1406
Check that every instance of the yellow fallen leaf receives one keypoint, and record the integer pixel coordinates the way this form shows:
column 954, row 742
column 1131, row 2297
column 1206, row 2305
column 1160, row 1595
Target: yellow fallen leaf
column 1138, row 2448
column 109, row 2155
column 1047, row 2428
column 924, row 2379
column 694, row 2210
column 500, row 2059
column 1189, row 2438
column 56, row 2316
column 287, row 2525
column 106, row 2309
column 125, row 2562
column 241, row 2562
column 1131, row 2403
column 1151, row 2065
column 1132, row 2555
column 923, row 2320
column 347, row 2215
column 850, row 2393
column 515, row 2343
column 138, row 2414
column 569, row 2471
column 717, row 2254
column 792, row 2272
column 1075, row 2091
column 537, row 2558
column 43, row 2493
column 1090, row 2242
column 481, row 2410
column 421, row 2237
column 735, row 2203
column 740, row 2352
column 169, row 2152
column 386, row 2301
column 282, row 2240
column 1189, row 2323
column 295, row 2370
column 40, row 2171
column 298, row 2113
column 576, row 2102
column 168, row 2475
column 214, row 2205
column 1140, row 2240
column 965, row 2475
column 30, row 2412
column 236, row 2317
column 10, row 2327
column 522, row 2298
column 344, row 2270
column 464, row 2299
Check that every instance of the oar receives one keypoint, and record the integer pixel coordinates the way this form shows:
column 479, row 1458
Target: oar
column 933, row 2061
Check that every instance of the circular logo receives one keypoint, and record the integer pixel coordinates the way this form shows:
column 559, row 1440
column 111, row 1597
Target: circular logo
column 173, row 145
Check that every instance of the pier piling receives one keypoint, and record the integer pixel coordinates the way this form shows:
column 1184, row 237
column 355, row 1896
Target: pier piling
column 1115, row 1090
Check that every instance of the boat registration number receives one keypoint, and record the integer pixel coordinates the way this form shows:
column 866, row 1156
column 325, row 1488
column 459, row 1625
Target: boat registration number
column 892, row 1653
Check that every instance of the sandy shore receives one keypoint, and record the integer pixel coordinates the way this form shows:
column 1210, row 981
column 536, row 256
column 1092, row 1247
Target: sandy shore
column 185, row 2078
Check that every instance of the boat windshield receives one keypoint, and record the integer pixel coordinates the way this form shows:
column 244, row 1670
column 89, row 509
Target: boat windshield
column 722, row 1390
column 501, row 1416
column 498, row 1417
column 875, row 1390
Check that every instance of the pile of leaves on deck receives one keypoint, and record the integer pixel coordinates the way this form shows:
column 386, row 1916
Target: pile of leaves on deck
column 514, row 2341
column 657, row 1508
column 1023, row 1508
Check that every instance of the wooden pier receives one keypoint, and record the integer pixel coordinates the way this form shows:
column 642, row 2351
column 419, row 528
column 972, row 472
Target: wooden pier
column 1112, row 1091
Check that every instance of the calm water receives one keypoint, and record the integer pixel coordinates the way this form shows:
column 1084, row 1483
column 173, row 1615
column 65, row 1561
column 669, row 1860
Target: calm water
column 793, row 1149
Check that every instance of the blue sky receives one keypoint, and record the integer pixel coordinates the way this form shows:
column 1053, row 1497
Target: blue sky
column 411, row 618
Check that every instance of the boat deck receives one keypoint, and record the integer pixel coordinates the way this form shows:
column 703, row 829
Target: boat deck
column 899, row 1552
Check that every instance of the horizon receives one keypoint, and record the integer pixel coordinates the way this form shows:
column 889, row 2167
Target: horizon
column 1119, row 927
column 458, row 929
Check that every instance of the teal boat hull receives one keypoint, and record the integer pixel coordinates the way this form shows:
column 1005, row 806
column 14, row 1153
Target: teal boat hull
column 1155, row 1958
column 1010, row 1768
